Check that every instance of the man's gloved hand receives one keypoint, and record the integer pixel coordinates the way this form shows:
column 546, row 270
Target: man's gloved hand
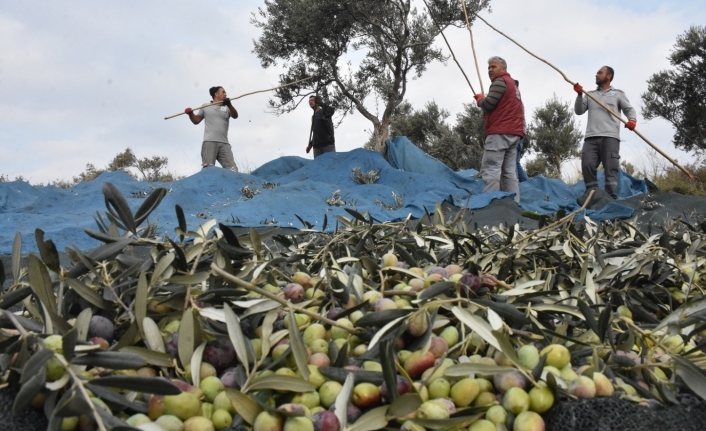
column 188, row 111
column 478, row 97
column 226, row 102
column 578, row 88
column 631, row 124
column 308, row 149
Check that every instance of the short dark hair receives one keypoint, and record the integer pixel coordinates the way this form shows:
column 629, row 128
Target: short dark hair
column 317, row 99
column 212, row 91
column 611, row 72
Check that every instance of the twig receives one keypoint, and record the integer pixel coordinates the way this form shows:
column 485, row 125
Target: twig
column 450, row 50
column 601, row 104
column 107, row 282
column 81, row 389
column 473, row 46
column 284, row 303
column 14, row 321
column 60, row 301
column 238, row 97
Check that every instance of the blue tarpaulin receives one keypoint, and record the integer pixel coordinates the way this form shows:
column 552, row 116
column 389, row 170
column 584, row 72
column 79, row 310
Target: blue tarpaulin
column 288, row 187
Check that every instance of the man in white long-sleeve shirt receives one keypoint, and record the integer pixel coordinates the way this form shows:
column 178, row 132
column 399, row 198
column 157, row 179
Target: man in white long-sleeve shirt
column 602, row 143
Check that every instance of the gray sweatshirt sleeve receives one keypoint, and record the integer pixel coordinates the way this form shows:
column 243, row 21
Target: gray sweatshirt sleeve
column 495, row 93
column 581, row 104
column 626, row 107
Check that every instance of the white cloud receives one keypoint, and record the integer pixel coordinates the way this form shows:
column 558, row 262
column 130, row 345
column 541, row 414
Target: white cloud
column 81, row 81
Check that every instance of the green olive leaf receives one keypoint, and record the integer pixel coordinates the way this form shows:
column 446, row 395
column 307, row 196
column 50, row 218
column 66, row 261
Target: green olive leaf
column 88, row 294
column 16, row 256
column 150, row 385
column 196, row 360
column 281, row 383
column 691, row 375
column 235, row 333
column 466, row 369
column 150, row 356
column 187, row 336
column 114, row 360
column 298, row 347
column 342, row 400
column 244, row 405
column 404, row 405
column 374, row 419
column 29, row 390
column 34, row 364
column 152, row 336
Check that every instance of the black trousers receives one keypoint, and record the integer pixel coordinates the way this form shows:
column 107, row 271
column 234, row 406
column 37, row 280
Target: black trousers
column 327, row 149
column 601, row 150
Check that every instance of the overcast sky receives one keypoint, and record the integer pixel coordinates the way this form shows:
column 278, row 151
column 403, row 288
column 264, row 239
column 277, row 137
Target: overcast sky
column 81, row 81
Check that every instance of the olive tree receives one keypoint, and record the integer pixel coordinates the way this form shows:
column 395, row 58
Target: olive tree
column 458, row 146
column 360, row 54
column 679, row 95
column 554, row 135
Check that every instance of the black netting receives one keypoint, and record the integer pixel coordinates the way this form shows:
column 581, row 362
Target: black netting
column 616, row 414
column 28, row 419
column 596, row 414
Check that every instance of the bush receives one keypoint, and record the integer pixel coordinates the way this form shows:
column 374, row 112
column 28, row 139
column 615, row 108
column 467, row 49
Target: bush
column 674, row 180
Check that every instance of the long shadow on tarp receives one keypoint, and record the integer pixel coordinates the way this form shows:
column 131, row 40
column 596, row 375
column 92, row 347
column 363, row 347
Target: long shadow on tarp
column 301, row 188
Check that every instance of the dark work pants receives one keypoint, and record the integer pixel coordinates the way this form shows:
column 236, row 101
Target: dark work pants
column 327, row 149
column 601, row 150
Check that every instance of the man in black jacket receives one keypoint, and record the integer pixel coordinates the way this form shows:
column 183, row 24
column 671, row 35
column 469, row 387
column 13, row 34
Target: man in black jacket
column 321, row 136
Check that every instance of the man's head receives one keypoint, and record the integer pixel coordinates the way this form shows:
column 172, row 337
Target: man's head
column 313, row 101
column 217, row 93
column 496, row 67
column 604, row 75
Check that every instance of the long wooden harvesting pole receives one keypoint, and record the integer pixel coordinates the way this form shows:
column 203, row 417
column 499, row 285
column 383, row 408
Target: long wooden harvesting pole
column 473, row 46
column 451, row 50
column 610, row 111
column 242, row 95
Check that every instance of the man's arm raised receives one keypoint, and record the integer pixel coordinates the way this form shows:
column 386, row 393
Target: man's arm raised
column 193, row 117
column 495, row 93
column 233, row 111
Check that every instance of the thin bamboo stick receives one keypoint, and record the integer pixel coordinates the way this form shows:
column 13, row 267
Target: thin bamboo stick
column 610, row 111
column 473, row 46
column 450, row 50
column 238, row 97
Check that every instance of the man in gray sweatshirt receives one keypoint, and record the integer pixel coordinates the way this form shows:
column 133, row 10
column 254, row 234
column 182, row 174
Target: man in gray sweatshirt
column 602, row 143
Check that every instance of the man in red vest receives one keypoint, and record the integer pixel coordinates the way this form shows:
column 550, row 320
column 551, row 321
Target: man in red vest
column 504, row 127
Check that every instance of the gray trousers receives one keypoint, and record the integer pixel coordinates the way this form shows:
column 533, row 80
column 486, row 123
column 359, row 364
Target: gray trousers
column 327, row 149
column 217, row 151
column 601, row 150
column 499, row 165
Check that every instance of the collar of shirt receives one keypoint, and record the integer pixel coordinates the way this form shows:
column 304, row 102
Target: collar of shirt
column 601, row 90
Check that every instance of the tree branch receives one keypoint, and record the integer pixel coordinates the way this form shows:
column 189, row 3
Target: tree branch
column 358, row 104
column 371, row 22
